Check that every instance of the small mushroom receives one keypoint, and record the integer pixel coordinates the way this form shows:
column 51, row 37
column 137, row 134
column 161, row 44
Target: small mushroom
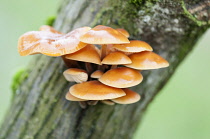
column 130, row 97
column 121, row 77
column 133, row 46
column 87, row 54
column 123, row 31
column 103, row 35
column 70, row 97
column 147, row 60
column 116, row 58
column 94, row 90
column 76, row 75
column 96, row 74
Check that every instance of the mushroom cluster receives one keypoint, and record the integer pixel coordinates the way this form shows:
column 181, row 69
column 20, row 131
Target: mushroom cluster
column 102, row 61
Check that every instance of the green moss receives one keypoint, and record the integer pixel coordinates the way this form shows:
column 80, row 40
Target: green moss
column 50, row 21
column 20, row 75
column 190, row 16
column 140, row 3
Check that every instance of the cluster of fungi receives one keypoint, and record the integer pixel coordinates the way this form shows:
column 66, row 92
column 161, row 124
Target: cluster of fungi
column 103, row 74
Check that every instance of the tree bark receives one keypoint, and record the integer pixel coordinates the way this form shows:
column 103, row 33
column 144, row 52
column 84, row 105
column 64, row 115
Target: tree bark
column 39, row 109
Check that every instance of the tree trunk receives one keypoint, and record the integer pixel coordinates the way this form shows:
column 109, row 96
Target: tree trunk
column 39, row 109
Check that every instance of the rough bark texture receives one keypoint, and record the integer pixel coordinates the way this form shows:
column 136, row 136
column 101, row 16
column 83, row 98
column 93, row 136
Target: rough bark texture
column 39, row 109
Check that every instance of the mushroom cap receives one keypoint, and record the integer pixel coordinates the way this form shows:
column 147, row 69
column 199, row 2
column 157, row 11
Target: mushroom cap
column 130, row 97
column 51, row 44
column 94, row 90
column 75, row 75
column 123, row 31
column 147, row 60
column 116, row 58
column 133, row 46
column 87, row 54
column 121, row 77
column 70, row 97
column 49, row 29
column 96, row 74
column 103, row 35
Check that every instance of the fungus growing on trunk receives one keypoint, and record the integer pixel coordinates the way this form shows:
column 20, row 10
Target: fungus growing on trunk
column 116, row 58
column 87, row 54
column 102, row 80
column 103, row 35
column 147, row 60
column 123, row 31
column 133, row 46
column 130, row 97
column 94, row 90
column 122, row 77
column 51, row 44
column 96, row 74
column 75, row 75
column 70, row 97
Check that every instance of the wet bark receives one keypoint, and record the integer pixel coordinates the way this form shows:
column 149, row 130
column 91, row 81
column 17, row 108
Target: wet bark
column 39, row 109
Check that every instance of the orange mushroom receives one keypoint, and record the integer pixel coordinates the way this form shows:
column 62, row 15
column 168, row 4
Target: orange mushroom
column 130, row 97
column 121, row 77
column 123, row 31
column 147, row 60
column 70, row 97
column 87, row 54
column 133, row 46
column 96, row 74
column 94, row 90
column 103, row 35
column 76, row 75
column 51, row 44
column 116, row 58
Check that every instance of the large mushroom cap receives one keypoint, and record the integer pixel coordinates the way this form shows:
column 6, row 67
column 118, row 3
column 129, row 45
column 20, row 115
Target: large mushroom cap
column 116, row 58
column 121, row 77
column 70, row 97
column 147, row 60
column 34, row 42
column 133, row 46
column 130, row 97
column 51, row 44
column 103, row 35
column 76, row 75
column 94, row 90
column 87, row 54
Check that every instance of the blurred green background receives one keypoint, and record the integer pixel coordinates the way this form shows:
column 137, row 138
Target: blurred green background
column 180, row 111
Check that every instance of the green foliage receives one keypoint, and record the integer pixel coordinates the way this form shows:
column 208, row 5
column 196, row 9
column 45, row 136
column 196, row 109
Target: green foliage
column 50, row 21
column 19, row 76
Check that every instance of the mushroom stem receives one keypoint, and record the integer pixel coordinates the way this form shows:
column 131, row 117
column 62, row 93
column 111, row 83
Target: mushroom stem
column 88, row 67
column 92, row 102
column 107, row 102
column 103, row 51
column 83, row 104
column 113, row 66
